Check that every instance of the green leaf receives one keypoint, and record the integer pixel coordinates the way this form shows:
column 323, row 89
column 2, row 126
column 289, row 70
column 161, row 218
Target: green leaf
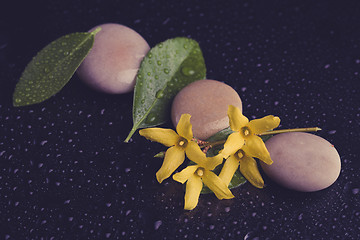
column 160, row 155
column 165, row 70
column 50, row 70
column 266, row 137
column 221, row 135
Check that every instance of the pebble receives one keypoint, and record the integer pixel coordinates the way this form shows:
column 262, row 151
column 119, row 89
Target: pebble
column 302, row 161
column 207, row 102
column 113, row 62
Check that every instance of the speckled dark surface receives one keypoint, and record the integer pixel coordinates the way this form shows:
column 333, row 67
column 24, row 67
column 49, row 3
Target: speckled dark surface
column 65, row 172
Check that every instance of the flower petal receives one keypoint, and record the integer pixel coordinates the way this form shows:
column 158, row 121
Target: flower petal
column 174, row 157
column 249, row 169
column 212, row 181
column 194, row 153
column 184, row 127
column 193, row 189
column 233, row 143
column 213, row 162
column 261, row 125
column 167, row 137
column 185, row 174
column 255, row 147
column 229, row 168
column 236, row 119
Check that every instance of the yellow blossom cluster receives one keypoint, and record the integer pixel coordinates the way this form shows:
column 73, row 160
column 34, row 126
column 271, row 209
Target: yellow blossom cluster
column 240, row 149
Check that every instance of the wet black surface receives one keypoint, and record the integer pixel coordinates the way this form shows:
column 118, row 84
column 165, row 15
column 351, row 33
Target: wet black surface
column 65, row 172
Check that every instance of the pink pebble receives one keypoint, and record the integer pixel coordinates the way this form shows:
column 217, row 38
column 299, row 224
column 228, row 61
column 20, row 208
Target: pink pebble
column 113, row 62
column 207, row 102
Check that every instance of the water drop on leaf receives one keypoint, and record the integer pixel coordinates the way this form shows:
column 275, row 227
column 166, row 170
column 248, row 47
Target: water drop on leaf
column 159, row 94
column 151, row 118
column 187, row 71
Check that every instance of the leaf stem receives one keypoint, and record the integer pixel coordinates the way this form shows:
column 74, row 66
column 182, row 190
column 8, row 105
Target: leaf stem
column 312, row 129
column 98, row 29
column 133, row 130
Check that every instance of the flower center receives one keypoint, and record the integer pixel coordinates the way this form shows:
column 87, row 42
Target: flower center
column 200, row 172
column 182, row 142
column 240, row 153
column 245, row 131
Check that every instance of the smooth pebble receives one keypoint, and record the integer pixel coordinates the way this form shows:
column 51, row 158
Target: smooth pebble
column 207, row 102
column 113, row 62
column 302, row 161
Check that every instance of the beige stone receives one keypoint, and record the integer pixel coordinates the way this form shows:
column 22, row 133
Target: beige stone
column 207, row 102
column 302, row 161
column 113, row 62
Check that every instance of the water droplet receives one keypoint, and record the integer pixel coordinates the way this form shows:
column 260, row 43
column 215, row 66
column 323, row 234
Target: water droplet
column 46, row 70
column 188, row 71
column 143, row 101
column 159, row 63
column 151, row 118
column 161, row 45
column 139, row 76
column 18, row 100
column 63, row 43
column 166, row 71
column 149, row 73
column 186, row 46
column 157, row 224
column 149, row 55
column 156, row 77
column 66, row 53
column 150, row 61
column 159, row 94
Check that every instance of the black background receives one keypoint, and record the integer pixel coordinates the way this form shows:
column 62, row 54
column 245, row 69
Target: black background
column 65, row 172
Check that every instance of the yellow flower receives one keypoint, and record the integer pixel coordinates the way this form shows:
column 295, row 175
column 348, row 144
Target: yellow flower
column 248, row 168
column 245, row 132
column 196, row 175
column 179, row 143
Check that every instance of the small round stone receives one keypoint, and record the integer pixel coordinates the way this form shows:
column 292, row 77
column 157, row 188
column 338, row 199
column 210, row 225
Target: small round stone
column 207, row 102
column 113, row 61
column 302, row 161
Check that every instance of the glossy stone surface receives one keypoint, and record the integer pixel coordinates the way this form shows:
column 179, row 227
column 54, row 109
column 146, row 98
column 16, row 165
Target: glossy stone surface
column 207, row 102
column 302, row 161
column 113, row 62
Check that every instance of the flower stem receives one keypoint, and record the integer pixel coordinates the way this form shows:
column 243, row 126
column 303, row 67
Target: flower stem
column 312, row 129
column 212, row 144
